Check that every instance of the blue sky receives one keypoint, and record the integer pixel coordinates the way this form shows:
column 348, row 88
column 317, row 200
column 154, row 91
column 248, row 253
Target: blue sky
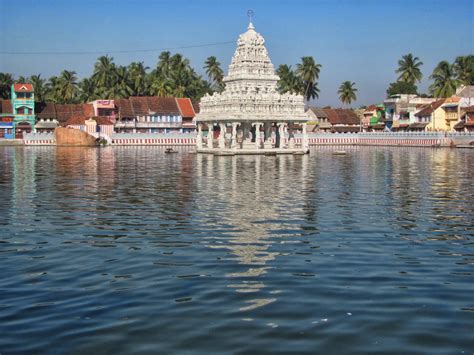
column 358, row 40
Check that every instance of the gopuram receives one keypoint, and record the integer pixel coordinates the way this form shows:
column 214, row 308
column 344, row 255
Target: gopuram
column 250, row 116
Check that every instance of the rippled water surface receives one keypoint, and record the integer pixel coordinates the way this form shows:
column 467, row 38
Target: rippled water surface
column 130, row 250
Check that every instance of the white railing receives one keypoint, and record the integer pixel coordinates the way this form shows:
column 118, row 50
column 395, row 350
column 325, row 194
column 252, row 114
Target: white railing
column 39, row 138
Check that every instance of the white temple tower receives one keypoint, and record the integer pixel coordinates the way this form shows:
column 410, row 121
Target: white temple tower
column 251, row 117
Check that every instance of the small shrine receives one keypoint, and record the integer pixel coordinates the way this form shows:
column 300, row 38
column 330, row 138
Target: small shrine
column 250, row 116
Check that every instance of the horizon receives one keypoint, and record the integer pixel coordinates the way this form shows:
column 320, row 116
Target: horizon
column 350, row 45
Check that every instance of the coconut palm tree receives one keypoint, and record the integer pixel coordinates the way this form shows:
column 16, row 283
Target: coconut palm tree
column 445, row 82
column 308, row 71
column 464, row 69
column 214, row 72
column 347, row 92
column 164, row 63
column 287, row 78
column 39, row 87
column 87, row 88
column 138, row 78
column 122, row 84
column 21, row 80
column 6, row 81
column 52, row 90
column 409, row 69
column 161, row 87
column 104, row 74
column 67, row 86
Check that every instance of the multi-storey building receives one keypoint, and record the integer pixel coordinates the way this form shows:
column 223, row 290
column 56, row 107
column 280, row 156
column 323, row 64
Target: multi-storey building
column 400, row 110
column 23, row 108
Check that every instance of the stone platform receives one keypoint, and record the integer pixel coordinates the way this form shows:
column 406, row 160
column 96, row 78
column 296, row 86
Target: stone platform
column 231, row 152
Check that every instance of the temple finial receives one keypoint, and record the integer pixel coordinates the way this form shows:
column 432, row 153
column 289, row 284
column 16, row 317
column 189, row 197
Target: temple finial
column 250, row 16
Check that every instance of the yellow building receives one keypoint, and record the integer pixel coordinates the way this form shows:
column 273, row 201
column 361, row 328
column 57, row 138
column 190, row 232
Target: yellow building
column 440, row 115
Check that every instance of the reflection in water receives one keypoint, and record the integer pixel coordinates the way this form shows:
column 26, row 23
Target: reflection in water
column 137, row 251
column 249, row 241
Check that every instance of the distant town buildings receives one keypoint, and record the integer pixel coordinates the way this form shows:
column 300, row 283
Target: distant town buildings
column 154, row 115
column 134, row 115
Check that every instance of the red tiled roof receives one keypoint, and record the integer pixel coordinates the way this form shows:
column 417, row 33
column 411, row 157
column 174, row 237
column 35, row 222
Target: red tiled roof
column 63, row 112
column 80, row 120
column 167, row 105
column 428, row 109
column 6, row 106
column 341, row 116
column 147, row 105
column 186, row 107
column 23, row 87
column 124, row 108
column 469, row 109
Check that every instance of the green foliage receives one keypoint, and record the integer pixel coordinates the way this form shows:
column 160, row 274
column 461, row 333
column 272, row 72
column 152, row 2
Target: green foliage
column 215, row 73
column 445, row 81
column 464, row 69
column 6, row 81
column 302, row 81
column 347, row 92
column 409, row 69
column 401, row 87
column 39, row 86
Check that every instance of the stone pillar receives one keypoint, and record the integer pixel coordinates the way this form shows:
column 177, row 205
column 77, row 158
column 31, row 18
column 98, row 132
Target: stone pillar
column 281, row 128
column 222, row 132
column 233, row 144
column 305, row 142
column 257, row 134
column 199, row 136
column 267, row 143
column 210, row 135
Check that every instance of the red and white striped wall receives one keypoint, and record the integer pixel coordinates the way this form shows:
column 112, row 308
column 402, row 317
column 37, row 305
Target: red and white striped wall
column 39, row 142
column 154, row 141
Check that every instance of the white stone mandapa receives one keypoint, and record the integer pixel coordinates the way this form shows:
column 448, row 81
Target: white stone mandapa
column 250, row 98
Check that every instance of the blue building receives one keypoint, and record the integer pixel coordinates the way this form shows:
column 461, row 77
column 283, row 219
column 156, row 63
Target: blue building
column 7, row 130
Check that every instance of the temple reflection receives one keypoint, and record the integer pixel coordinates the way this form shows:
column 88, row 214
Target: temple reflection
column 241, row 182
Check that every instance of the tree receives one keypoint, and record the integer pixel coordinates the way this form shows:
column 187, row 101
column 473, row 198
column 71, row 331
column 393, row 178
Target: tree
column 308, row 71
column 6, row 81
column 67, row 87
column 104, row 75
column 288, row 82
column 401, row 87
column 464, row 69
column 409, row 69
column 161, row 87
column 347, row 92
column 52, row 90
column 39, row 87
column 164, row 64
column 138, row 78
column 87, row 89
column 214, row 72
column 21, row 80
column 445, row 82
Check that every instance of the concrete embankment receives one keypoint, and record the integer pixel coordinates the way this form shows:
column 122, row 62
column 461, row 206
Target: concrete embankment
column 11, row 142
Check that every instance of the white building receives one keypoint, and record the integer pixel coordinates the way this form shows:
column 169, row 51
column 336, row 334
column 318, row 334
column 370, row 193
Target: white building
column 250, row 116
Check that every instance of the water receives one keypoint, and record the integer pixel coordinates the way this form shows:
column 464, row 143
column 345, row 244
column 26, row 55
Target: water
column 130, row 250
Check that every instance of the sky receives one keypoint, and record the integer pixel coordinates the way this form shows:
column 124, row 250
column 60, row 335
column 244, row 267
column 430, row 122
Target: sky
column 358, row 40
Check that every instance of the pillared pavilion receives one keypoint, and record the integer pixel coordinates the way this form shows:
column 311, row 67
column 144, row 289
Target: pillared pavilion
column 250, row 116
